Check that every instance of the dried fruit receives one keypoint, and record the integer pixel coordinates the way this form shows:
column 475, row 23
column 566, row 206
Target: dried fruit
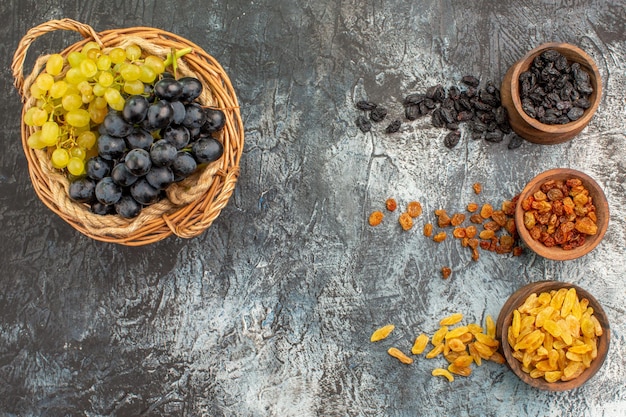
column 363, row 124
column 382, row 333
column 440, row 237
column 378, row 114
column 446, row 272
column 477, row 188
column 486, row 211
column 391, row 204
column 452, row 319
column 428, row 229
column 414, row 209
column 393, row 127
column 399, row 355
column 420, row 344
column 376, row 218
column 406, row 222
column 472, row 207
column 457, row 219
column 444, row 373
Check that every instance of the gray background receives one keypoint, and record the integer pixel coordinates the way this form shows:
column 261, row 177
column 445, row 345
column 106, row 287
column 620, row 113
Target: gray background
column 269, row 312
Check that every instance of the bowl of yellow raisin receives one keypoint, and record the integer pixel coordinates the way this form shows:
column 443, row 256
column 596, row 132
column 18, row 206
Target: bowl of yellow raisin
column 554, row 335
column 562, row 214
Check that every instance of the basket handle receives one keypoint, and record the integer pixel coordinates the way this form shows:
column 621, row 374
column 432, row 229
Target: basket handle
column 20, row 53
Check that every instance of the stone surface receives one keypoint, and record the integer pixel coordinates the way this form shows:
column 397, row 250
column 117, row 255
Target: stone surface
column 269, row 312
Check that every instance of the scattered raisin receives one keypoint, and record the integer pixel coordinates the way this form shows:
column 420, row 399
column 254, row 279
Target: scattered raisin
column 391, row 204
column 440, row 237
column 457, row 219
column 405, row 221
column 452, row 139
column 414, row 209
column 472, row 207
column 363, row 124
column 393, row 126
column 376, row 218
column 378, row 114
column 446, row 272
column 365, row 105
column 477, row 188
column 428, row 230
column 486, row 211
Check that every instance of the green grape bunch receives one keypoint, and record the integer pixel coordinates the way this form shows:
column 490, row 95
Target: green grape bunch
column 73, row 96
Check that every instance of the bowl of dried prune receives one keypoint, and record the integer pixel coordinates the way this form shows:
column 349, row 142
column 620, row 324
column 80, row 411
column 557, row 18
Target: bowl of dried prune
column 551, row 93
column 554, row 335
column 562, row 214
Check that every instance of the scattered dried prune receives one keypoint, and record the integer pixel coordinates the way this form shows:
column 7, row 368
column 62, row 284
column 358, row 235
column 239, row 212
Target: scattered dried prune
column 378, row 114
column 414, row 99
column 436, row 93
column 470, row 80
column 495, row 136
column 363, row 124
column 366, row 105
column 412, row 112
column 452, row 139
column 393, row 126
column 515, row 141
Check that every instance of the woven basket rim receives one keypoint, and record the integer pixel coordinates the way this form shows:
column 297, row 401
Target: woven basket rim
column 198, row 200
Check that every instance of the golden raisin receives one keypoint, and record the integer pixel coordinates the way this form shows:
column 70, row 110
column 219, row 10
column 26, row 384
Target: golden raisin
column 414, row 208
column 405, row 221
column 440, row 237
column 451, row 319
column 476, row 219
column 470, row 231
column 382, row 332
column 459, row 232
column 376, row 218
column 428, row 229
column 486, row 234
column 499, row 217
column 472, row 207
column 457, row 219
column 420, row 344
column 486, row 211
column 391, row 204
column 443, row 220
column 399, row 355
column 477, row 187
column 446, row 272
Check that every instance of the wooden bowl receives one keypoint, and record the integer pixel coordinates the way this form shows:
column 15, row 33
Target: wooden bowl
column 506, row 316
column 532, row 129
column 556, row 252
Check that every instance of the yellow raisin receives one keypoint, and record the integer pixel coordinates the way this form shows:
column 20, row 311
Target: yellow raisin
column 497, row 358
column 435, row 351
column 397, row 353
column 553, row 376
column 440, row 237
column 459, row 370
column 444, row 373
column 459, row 232
column 474, row 354
column 486, row 211
column 491, row 327
column 456, row 332
column 414, row 209
column 470, row 231
column 382, row 333
column 463, row 360
column 420, row 344
column 451, row 319
column 487, row 340
column 405, row 221
column 376, row 218
column 456, row 345
column 486, row 234
column 439, row 335
column 457, row 219
column 568, row 302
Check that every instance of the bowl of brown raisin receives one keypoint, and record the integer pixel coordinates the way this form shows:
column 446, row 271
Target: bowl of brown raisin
column 551, row 93
column 554, row 335
column 562, row 214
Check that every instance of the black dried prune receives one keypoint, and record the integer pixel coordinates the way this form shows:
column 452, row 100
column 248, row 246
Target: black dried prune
column 470, row 80
column 575, row 113
column 393, row 126
column 414, row 99
column 447, row 115
column 436, row 92
column 515, row 141
column 452, row 139
column 437, row 119
column 412, row 112
column 378, row 114
column 363, row 124
column 464, row 116
column 495, row 136
column 454, row 93
column 366, row 105
column 583, row 103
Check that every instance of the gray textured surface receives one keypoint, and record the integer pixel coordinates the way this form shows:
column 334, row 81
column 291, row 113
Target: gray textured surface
column 269, row 312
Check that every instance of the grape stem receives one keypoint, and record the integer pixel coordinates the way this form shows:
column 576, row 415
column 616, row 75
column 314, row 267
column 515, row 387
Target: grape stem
column 174, row 56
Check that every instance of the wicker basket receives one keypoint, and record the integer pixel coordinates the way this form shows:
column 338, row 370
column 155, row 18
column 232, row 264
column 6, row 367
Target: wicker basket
column 193, row 204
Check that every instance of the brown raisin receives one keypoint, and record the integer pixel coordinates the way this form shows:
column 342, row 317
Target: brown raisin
column 492, row 226
column 477, row 188
column 499, row 217
column 470, row 231
column 391, row 204
column 459, row 232
column 486, row 211
column 472, row 207
column 476, row 218
column 440, row 237
column 405, row 221
column 428, row 229
column 443, row 220
column 457, row 219
column 486, row 234
column 376, row 218
column 414, row 208
column 446, row 272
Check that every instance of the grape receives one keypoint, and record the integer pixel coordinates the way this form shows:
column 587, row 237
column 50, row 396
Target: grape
column 104, row 62
column 54, row 65
column 130, row 72
column 96, row 113
column 207, row 150
column 160, row 177
column 159, row 115
column 74, row 58
column 127, row 207
column 44, row 81
column 105, row 79
column 215, row 120
column 90, row 46
column 117, row 55
column 155, row 63
column 82, row 190
column 148, row 74
column 192, row 87
column 76, row 166
column 144, row 193
column 194, row 116
column 138, row 162
column 71, row 102
column 50, row 133
column 183, row 165
column 98, row 168
column 162, row 153
column 114, row 98
column 34, row 141
column 86, row 139
column 122, row 176
column 135, row 109
column 115, row 125
column 140, row 139
column 78, row 152
column 88, row 68
column 168, row 89
column 102, row 209
column 179, row 112
column 99, row 90
column 107, row 191
column 74, row 76
column 133, row 52
column 133, row 87
column 60, row 158
column 177, row 136
column 111, row 147
column 35, row 116
column 58, row 89
column 77, row 118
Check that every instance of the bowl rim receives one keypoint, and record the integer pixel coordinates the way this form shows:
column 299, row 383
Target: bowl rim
column 557, row 253
column 505, row 318
column 586, row 62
